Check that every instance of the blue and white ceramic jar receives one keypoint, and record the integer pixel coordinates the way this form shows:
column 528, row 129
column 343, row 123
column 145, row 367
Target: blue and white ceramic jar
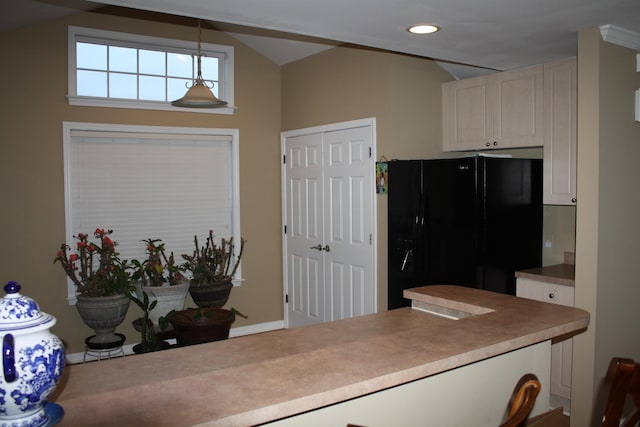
column 32, row 360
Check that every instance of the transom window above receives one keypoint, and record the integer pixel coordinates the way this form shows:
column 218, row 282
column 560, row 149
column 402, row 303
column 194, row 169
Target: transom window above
column 131, row 71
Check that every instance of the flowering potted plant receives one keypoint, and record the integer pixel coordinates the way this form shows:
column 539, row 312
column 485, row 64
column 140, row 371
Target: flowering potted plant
column 160, row 278
column 212, row 268
column 102, row 282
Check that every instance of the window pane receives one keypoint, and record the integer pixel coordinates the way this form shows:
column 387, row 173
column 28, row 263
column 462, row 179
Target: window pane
column 209, row 69
column 92, row 83
column 123, row 86
column 123, row 59
column 179, row 65
column 146, row 60
column 152, row 88
column 176, row 88
column 152, row 62
column 91, row 56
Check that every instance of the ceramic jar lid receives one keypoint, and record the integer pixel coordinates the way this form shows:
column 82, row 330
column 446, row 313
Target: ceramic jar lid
column 18, row 312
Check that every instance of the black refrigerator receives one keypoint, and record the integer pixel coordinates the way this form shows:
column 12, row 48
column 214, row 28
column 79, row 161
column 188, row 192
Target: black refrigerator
column 470, row 221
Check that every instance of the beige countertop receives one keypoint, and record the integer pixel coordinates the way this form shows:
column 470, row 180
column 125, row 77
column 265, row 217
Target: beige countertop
column 559, row 274
column 259, row 378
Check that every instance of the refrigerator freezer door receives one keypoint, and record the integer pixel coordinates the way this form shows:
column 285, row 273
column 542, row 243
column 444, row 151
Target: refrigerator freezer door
column 404, row 211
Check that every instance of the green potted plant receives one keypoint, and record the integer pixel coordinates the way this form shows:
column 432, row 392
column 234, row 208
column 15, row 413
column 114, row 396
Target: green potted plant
column 212, row 268
column 161, row 279
column 102, row 282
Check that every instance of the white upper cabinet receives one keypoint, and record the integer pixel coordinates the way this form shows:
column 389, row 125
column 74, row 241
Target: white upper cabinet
column 560, row 119
column 501, row 110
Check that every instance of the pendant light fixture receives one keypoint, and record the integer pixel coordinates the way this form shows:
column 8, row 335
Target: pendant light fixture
column 199, row 95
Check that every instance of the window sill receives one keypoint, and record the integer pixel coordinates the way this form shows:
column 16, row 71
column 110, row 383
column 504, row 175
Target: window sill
column 86, row 101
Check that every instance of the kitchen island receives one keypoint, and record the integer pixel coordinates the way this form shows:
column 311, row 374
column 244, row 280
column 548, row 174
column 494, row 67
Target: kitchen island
column 337, row 371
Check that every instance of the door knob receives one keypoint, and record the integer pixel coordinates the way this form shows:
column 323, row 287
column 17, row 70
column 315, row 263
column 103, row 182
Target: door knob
column 326, row 248
column 317, row 247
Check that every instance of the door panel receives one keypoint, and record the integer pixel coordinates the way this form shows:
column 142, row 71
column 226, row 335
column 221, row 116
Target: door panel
column 349, row 217
column 305, row 273
column 329, row 185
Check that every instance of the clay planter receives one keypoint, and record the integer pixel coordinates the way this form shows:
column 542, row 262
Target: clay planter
column 213, row 295
column 200, row 325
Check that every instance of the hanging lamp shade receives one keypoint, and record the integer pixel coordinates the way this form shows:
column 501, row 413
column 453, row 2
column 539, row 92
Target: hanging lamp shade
column 199, row 95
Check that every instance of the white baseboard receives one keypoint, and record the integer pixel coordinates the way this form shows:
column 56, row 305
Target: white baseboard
column 74, row 358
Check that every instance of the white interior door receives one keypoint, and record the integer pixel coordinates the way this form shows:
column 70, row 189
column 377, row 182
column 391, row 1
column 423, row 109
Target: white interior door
column 303, row 264
column 329, row 217
column 348, row 223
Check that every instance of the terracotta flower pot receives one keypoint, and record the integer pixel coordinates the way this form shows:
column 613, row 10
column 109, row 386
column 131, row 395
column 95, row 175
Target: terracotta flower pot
column 213, row 295
column 200, row 325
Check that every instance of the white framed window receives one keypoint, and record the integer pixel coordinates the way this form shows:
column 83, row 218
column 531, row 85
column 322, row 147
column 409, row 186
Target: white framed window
column 112, row 69
column 153, row 182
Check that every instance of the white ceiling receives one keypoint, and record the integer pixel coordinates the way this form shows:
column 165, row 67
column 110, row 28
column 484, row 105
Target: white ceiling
column 493, row 34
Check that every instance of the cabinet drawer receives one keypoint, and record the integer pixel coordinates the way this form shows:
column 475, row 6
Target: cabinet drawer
column 546, row 292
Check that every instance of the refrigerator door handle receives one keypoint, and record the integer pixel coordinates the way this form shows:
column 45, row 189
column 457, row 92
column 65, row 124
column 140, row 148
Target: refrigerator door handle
column 405, row 259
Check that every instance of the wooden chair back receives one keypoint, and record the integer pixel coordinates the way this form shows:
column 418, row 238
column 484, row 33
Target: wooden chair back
column 622, row 380
column 522, row 400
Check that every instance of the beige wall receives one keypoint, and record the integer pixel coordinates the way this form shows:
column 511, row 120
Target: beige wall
column 34, row 85
column 608, row 234
column 403, row 93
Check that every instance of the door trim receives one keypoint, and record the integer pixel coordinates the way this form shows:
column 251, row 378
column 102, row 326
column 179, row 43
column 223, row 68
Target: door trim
column 368, row 122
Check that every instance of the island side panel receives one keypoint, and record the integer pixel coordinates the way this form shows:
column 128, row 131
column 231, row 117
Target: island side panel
column 483, row 389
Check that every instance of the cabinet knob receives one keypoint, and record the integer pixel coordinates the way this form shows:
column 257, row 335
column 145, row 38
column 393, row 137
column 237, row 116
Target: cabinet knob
column 488, row 144
column 573, row 200
column 552, row 295
column 495, row 143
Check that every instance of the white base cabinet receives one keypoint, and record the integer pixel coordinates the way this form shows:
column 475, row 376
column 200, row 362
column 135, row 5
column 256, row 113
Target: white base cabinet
column 562, row 351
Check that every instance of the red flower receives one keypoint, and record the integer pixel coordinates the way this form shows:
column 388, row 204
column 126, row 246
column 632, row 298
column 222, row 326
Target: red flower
column 74, row 257
column 107, row 242
column 99, row 232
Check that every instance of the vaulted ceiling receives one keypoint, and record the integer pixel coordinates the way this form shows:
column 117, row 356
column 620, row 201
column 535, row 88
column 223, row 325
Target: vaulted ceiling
column 483, row 34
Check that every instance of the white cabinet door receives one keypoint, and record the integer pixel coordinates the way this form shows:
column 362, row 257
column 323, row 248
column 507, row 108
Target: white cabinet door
column 517, row 117
column 561, row 352
column 467, row 114
column 560, row 118
column 502, row 110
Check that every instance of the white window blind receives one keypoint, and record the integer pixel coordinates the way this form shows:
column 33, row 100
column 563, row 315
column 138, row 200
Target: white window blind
column 145, row 183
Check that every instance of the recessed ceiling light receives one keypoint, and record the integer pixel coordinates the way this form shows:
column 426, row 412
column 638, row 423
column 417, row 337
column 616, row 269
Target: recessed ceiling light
column 423, row 29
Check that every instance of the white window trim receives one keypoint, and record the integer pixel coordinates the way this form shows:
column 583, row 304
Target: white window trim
column 136, row 40
column 233, row 134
